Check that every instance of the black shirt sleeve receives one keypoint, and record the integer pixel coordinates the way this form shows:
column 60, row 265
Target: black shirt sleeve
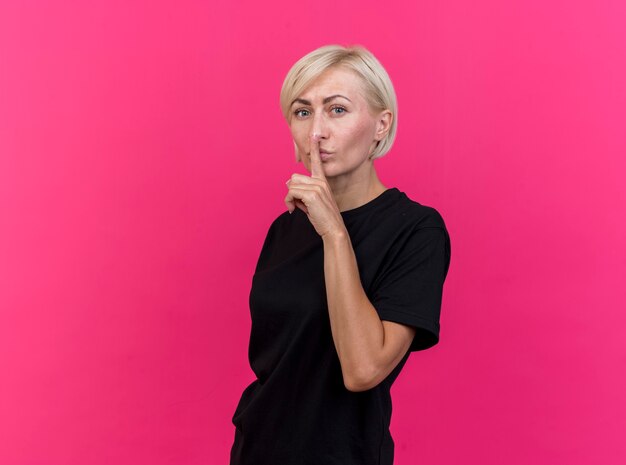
column 410, row 291
column 265, row 252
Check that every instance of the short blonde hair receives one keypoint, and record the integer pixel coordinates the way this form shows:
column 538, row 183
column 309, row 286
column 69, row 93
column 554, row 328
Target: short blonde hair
column 379, row 91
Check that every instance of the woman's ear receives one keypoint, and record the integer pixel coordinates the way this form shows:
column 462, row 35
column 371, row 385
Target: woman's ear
column 383, row 124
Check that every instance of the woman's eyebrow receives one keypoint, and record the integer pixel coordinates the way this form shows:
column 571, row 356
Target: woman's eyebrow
column 325, row 101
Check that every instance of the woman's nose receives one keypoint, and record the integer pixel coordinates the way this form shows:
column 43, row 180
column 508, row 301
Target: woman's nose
column 318, row 127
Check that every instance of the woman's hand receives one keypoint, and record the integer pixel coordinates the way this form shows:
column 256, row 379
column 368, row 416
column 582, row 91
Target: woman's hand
column 313, row 196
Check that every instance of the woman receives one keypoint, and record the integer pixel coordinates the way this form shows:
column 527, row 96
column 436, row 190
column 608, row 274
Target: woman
column 349, row 280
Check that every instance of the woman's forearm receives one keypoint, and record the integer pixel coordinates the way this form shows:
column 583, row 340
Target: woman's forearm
column 356, row 328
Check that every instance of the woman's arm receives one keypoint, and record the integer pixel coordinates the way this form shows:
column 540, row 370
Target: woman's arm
column 368, row 348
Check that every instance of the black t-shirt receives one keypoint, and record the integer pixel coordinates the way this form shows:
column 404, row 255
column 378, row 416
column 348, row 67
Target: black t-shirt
column 298, row 411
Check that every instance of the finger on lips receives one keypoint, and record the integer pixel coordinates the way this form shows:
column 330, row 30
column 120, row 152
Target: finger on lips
column 317, row 173
column 316, row 161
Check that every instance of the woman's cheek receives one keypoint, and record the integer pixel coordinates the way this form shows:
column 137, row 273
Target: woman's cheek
column 364, row 134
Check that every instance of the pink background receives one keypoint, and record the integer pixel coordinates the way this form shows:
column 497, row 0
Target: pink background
column 143, row 156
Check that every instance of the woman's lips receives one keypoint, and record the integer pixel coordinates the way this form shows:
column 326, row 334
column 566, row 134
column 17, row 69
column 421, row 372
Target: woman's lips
column 324, row 155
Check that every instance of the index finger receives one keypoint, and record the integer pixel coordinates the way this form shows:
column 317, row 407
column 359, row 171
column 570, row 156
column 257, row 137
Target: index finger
column 317, row 171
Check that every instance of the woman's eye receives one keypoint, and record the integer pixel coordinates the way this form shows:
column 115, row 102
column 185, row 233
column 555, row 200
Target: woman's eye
column 303, row 113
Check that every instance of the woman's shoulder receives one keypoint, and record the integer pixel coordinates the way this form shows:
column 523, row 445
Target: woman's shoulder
column 419, row 215
column 287, row 223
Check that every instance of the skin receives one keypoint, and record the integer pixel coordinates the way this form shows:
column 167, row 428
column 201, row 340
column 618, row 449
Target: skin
column 368, row 348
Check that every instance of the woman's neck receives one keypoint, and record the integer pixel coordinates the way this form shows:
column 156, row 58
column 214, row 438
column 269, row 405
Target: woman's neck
column 353, row 194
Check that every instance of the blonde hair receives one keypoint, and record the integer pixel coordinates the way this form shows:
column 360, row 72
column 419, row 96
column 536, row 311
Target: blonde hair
column 379, row 91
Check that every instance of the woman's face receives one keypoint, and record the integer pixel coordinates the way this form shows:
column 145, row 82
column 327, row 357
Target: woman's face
column 334, row 107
